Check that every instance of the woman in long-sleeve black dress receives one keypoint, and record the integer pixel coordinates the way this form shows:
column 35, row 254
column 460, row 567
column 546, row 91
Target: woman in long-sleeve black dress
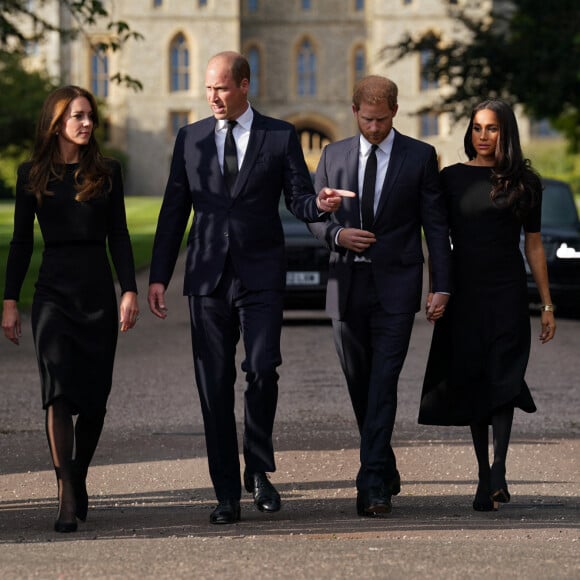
column 480, row 348
column 77, row 197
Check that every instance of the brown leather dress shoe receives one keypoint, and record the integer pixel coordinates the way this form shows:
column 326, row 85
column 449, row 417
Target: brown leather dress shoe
column 266, row 498
column 373, row 502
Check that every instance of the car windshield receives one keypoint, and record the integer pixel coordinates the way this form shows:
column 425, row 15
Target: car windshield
column 558, row 208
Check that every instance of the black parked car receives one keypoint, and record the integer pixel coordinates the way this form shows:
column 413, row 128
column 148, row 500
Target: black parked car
column 307, row 264
column 561, row 237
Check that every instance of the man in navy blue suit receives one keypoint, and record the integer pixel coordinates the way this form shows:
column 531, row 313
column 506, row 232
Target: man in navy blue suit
column 376, row 264
column 231, row 169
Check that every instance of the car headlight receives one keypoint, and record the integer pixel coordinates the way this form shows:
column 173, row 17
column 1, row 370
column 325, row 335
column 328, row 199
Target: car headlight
column 566, row 252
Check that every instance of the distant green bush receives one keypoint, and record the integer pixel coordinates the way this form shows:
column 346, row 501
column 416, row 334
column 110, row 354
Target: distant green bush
column 551, row 159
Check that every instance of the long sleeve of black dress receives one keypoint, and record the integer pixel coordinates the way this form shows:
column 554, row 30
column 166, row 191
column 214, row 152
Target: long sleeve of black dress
column 66, row 223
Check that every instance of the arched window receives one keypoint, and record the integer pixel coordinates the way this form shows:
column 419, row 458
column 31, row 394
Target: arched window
column 360, row 63
column 426, row 81
column 100, row 73
column 179, row 64
column 306, row 70
column 255, row 61
column 429, row 125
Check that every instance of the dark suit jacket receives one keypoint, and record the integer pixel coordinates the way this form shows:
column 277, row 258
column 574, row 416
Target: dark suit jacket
column 245, row 224
column 411, row 198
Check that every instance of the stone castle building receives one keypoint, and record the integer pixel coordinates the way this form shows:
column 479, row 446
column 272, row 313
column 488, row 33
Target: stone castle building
column 305, row 57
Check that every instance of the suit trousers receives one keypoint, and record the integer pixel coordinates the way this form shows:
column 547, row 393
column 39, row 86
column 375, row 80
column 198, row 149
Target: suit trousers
column 372, row 345
column 217, row 320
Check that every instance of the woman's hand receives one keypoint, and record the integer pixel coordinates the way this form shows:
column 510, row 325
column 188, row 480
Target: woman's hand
column 128, row 311
column 11, row 321
column 548, row 327
column 435, row 306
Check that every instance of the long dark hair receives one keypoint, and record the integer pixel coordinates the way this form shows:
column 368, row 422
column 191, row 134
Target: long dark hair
column 514, row 183
column 93, row 176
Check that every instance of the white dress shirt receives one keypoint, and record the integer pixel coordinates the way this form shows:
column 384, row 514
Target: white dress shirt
column 383, row 154
column 383, row 157
column 241, row 135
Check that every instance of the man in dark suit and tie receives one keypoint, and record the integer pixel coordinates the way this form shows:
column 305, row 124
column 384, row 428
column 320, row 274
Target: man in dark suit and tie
column 376, row 265
column 231, row 169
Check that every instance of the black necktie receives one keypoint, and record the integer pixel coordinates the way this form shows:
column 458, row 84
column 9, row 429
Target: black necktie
column 368, row 194
column 230, row 157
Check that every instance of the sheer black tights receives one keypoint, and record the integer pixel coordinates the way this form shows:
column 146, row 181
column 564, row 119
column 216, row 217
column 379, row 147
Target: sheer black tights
column 66, row 437
column 501, row 424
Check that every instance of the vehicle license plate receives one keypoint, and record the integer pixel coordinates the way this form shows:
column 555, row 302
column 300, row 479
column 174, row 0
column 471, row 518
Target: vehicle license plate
column 302, row 278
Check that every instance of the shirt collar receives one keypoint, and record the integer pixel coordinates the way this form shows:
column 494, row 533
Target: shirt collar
column 244, row 120
column 385, row 145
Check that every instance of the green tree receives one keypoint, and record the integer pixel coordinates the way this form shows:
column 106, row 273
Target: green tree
column 21, row 96
column 525, row 51
column 21, row 24
column 22, row 91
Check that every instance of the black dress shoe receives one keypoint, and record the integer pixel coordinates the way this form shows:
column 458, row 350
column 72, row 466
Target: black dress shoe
column 266, row 498
column 373, row 502
column 226, row 512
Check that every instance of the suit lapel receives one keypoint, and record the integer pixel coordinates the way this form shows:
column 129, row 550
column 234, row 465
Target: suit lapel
column 351, row 205
column 257, row 136
column 398, row 155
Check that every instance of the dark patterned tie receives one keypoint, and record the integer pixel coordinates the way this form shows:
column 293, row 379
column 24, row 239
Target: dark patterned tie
column 230, row 157
column 368, row 194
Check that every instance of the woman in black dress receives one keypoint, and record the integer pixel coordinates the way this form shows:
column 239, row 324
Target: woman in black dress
column 480, row 348
column 77, row 197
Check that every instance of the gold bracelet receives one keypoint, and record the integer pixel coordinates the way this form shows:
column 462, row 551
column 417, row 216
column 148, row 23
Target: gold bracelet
column 547, row 308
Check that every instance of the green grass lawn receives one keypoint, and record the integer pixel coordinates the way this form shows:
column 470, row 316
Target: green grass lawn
column 142, row 215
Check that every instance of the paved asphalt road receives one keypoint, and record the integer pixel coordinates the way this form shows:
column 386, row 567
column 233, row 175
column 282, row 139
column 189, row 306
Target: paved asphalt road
column 151, row 495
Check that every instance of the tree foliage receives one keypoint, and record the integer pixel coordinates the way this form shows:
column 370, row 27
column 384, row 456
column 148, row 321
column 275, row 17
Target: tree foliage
column 21, row 96
column 527, row 53
column 21, row 24
column 22, row 91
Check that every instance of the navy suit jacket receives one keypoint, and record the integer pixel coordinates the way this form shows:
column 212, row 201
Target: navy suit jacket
column 245, row 224
column 411, row 199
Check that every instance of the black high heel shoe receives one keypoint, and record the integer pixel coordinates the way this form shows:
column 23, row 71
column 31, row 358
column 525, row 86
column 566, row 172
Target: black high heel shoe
column 483, row 501
column 499, row 489
column 66, row 520
column 65, row 525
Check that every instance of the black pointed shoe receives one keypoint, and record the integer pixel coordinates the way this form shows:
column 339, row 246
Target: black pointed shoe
column 226, row 512
column 266, row 498
column 482, row 501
